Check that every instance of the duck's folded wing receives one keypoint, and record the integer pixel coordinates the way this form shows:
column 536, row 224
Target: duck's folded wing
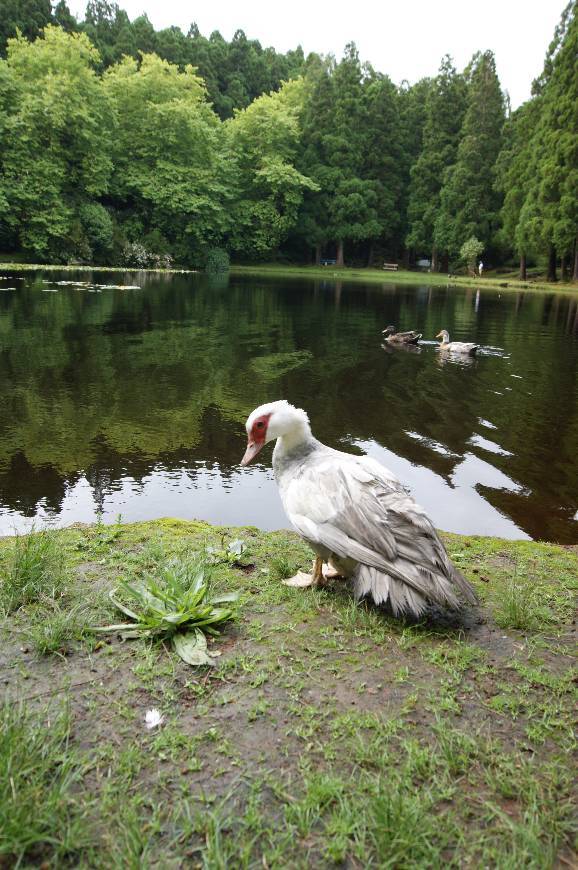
column 357, row 510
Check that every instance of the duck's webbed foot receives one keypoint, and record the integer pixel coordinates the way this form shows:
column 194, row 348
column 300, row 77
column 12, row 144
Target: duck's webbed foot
column 331, row 573
column 302, row 580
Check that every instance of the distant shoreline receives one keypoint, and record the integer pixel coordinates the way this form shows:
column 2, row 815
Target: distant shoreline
column 405, row 276
column 332, row 273
column 49, row 267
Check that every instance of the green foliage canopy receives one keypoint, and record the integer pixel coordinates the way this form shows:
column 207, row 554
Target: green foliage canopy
column 57, row 124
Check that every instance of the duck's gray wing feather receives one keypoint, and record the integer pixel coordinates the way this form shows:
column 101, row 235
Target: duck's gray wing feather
column 356, row 509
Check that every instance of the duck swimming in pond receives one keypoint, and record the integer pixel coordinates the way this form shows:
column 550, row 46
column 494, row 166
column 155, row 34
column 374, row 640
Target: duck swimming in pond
column 393, row 337
column 465, row 347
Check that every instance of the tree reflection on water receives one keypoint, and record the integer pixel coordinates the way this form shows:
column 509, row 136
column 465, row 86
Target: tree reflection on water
column 134, row 400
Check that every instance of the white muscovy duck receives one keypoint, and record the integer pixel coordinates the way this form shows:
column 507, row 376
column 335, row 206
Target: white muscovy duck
column 356, row 516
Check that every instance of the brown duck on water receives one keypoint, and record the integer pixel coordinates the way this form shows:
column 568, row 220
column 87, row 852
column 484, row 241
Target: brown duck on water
column 393, row 337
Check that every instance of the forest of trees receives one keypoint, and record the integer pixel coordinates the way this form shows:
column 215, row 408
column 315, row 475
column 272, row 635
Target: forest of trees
column 124, row 145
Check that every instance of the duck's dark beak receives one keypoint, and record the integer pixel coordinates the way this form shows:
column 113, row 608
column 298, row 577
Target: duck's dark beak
column 253, row 447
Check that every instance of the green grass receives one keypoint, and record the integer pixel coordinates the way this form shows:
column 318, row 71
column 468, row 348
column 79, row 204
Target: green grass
column 281, row 567
column 518, row 606
column 40, row 815
column 55, row 629
column 32, row 568
column 327, row 733
column 403, row 276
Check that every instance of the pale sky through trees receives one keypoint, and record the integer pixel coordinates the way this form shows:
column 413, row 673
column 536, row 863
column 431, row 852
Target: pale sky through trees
column 403, row 38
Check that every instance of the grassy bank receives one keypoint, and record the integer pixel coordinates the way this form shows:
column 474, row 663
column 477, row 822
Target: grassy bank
column 329, row 734
column 497, row 282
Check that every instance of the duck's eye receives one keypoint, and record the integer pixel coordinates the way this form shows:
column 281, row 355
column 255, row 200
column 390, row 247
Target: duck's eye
column 260, row 425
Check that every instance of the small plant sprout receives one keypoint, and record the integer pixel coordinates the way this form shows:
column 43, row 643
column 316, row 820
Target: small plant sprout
column 178, row 606
column 229, row 553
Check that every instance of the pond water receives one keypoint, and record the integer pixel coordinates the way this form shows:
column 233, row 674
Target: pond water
column 132, row 401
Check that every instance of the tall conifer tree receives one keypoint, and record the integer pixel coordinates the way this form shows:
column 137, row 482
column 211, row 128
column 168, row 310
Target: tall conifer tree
column 470, row 204
column 445, row 107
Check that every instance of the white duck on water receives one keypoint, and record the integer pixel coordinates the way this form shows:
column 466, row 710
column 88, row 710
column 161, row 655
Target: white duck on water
column 356, row 516
column 465, row 347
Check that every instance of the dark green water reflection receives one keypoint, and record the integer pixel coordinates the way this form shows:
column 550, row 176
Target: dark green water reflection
column 133, row 401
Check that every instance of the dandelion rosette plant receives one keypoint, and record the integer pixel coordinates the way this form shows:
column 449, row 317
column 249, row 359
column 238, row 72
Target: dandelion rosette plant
column 178, row 607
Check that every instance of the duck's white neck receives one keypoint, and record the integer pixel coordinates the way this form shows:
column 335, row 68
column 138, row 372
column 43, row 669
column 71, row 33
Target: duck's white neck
column 292, row 439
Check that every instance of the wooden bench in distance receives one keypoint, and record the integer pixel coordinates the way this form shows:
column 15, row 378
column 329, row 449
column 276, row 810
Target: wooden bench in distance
column 390, row 267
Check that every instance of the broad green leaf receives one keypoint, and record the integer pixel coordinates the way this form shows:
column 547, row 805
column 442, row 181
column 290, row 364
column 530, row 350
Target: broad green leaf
column 228, row 596
column 192, row 648
column 121, row 606
column 112, row 628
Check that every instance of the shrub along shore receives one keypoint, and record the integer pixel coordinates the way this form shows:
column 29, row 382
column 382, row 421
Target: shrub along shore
column 327, row 733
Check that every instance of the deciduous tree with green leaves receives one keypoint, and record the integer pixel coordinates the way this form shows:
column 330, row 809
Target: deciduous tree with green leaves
column 56, row 123
column 169, row 165
column 268, row 189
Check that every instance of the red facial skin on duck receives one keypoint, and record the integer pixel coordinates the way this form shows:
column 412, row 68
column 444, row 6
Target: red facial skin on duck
column 257, row 437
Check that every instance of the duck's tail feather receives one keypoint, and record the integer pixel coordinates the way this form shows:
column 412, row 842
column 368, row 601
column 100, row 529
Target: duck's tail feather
column 406, row 599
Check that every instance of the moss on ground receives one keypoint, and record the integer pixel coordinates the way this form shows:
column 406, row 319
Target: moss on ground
column 329, row 734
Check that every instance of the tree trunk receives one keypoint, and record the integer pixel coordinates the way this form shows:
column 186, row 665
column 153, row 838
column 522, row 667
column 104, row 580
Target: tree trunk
column 317, row 255
column 434, row 259
column 445, row 262
column 564, row 267
column 370, row 255
column 339, row 261
column 407, row 258
column 523, row 274
column 552, row 276
column 575, row 274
